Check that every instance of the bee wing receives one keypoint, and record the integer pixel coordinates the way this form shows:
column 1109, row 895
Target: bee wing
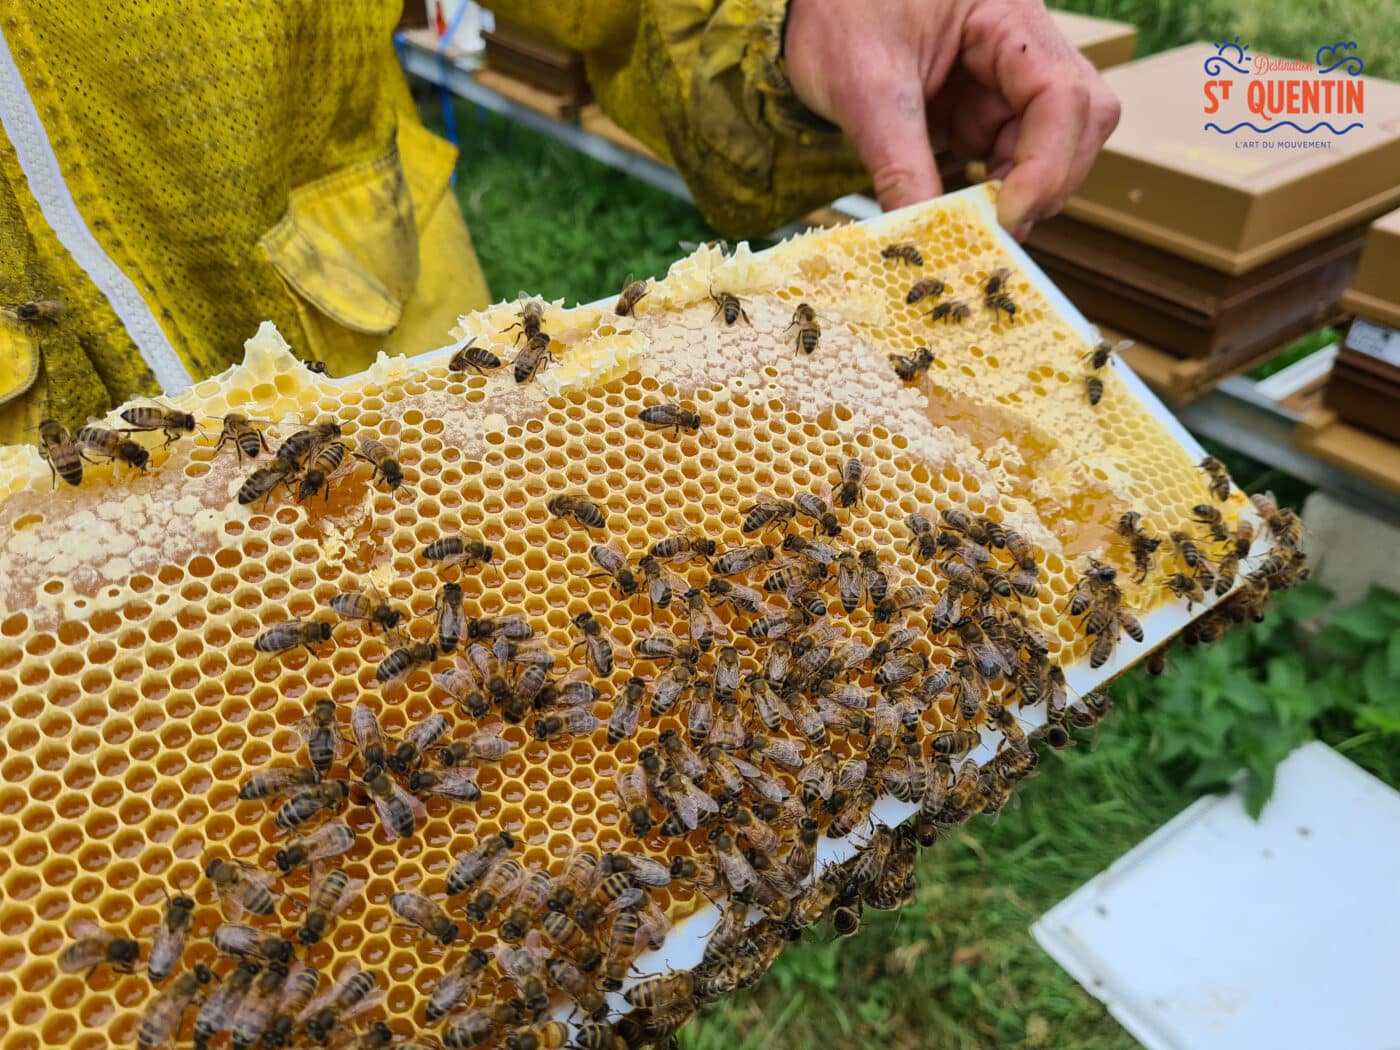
column 786, row 753
column 701, row 801
column 852, row 774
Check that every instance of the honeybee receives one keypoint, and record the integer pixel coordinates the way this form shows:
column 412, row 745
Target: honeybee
column 471, row 866
column 700, row 717
column 36, row 311
column 417, row 910
column 569, row 979
column 277, row 780
column 1103, row 351
column 728, row 731
column 1283, row 523
column 1226, row 570
column 569, row 722
column 264, row 481
column 356, row 605
column 308, row 802
column 1093, row 386
column 403, row 660
column 531, row 314
column 772, row 710
column 326, row 463
column 737, row 871
column 687, row 802
column 246, row 436
column 901, row 668
column 743, row 559
column 850, row 583
column 632, row 795
column 255, row 1011
column 241, row 887
column 169, row 940
column 955, row 310
column 672, row 416
column 745, row 599
column 287, row 636
column 575, row 881
column 386, row 467
column 166, row 1013
column 848, row 492
column 1000, row 303
column 614, row 567
column 98, row 947
column 656, row 993
column 683, row 546
column 573, row 941
column 111, row 445
column 1187, row 587
column 470, row 1030
column 332, row 839
column 329, row 894
column 729, row 772
column 912, row 368
column 477, row 358
column 804, row 319
column 456, row 984
column 217, row 1011
column 627, row 710
column 369, row 737
column 909, row 596
column 398, row 810
column 768, row 512
column 485, row 745
column 581, row 509
column 781, row 752
column 455, row 785
column 298, row 448
column 644, row 871
column 1214, row 521
column 902, row 251
column 1218, row 478
column 417, row 741
column 670, row 687
column 349, row 992
column 632, row 293
column 1088, row 710
column 499, row 881
column 531, row 356
column 730, row 306
column 172, row 422
column 989, row 662
column 60, row 453
column 300, row 990
column 1142, row 545
column 458, row 550
column 596, row 643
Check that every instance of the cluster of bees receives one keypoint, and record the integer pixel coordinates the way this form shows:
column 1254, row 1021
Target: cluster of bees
column 763, row 725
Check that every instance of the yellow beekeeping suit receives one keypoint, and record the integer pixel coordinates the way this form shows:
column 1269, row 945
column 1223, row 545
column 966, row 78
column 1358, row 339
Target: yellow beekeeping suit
column 175, row 174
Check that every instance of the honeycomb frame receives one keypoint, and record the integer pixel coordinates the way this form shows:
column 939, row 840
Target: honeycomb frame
column 132, row 700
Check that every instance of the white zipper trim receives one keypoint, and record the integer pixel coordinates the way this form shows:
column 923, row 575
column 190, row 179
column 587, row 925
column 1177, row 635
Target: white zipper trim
column 25, row 130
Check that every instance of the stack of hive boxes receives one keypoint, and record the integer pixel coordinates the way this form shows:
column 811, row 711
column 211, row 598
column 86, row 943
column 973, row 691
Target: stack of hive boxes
column 1215, row 246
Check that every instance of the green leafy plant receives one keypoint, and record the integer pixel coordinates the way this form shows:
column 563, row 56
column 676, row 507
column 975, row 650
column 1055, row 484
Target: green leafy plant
column 1244, row 703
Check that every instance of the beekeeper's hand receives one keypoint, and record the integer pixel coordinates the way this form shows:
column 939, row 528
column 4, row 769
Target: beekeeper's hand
column 994, row 76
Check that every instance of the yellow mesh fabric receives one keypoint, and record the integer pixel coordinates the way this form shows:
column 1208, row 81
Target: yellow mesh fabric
column 183, row 135
column 703, row 84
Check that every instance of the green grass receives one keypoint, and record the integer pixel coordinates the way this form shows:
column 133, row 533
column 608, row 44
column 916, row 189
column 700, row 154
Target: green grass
column 552, row 222
column 957, row 967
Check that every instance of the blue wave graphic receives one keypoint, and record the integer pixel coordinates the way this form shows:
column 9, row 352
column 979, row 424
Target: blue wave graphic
column 1212, row 126
column 1215, row 63
column 1351, row 64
